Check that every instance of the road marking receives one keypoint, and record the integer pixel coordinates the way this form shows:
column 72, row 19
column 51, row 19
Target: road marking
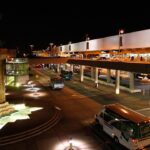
column 58, row 108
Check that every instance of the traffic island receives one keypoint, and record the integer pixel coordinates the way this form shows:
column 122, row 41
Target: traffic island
column 5, row 109
column 31, row 124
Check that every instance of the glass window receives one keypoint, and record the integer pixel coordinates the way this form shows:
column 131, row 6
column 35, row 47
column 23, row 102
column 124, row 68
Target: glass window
column 117, row 125
column 130, row 128
column 101, row 115
column 107, row 117
column 145, row 129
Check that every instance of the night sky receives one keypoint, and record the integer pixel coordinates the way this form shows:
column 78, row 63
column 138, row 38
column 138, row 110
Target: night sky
column 22, row 24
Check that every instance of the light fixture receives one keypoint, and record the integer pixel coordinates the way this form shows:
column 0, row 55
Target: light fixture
column 70, row 144
column 121, row 31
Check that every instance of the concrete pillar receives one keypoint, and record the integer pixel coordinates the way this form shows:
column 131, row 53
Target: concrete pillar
column 108, row 75
column 49, row 66
column 96, row 75
column 81, row 73
column 131, row 80
column 58, row 68
column 81, row 56
column 66, row 67
column 2, row 79
column 117, row 88
column 71, row 67
column 92, row 72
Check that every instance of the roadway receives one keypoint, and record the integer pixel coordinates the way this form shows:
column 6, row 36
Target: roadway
column 79, row 103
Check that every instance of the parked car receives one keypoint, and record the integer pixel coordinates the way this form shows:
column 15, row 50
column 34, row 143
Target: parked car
column 67, row 75
column 57, row 83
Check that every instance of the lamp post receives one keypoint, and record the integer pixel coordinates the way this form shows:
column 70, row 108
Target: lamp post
column 60, row 50
column 51, row 44
column 31, row 48
column 54, row 50
column 70, row 144
column 69, row 48
column 50, row 48
column 87, row 44
column 121, row 31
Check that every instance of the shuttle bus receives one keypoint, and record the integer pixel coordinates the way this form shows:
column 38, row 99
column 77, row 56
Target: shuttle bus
column 125, row 126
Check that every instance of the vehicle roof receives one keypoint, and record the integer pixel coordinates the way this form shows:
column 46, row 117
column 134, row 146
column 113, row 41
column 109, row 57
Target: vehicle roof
column 127, row 113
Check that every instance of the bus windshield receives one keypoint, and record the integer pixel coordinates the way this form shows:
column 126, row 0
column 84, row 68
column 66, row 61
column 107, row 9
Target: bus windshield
column 145, row 129
column 130, row 129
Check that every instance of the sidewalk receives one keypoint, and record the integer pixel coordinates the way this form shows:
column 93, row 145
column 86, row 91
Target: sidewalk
column 133, row 100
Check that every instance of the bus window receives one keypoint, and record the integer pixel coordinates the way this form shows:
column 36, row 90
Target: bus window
column 131, row 128
column 125, row 134
column 145, row 130
column 107, row 117
column 117, row 125
column 101, row 115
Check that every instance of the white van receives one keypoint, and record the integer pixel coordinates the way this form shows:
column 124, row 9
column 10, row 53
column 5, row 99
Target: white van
column 57, row 83
column 125, row 126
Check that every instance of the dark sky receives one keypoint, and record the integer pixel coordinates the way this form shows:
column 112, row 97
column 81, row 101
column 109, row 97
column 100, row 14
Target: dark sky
column 40, row 23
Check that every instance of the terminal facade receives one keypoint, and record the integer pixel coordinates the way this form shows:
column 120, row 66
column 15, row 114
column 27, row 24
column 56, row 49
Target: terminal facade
column 128, row 44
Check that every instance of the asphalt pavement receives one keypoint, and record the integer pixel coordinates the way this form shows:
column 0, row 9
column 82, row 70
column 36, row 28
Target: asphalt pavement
column 79, row 103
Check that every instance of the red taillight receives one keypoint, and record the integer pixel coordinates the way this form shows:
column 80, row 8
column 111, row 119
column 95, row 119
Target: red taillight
column 134, row 141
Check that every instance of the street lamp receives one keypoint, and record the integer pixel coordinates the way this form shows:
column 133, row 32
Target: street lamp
column 69, row 46
column 31, row 47
column 60, row 47
column 50, row 48
column 60, row 50
column 69, row 49
column 51, row 44
column 87, row 44
column 121, row 31
column 54, row 49
column 70, row 144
